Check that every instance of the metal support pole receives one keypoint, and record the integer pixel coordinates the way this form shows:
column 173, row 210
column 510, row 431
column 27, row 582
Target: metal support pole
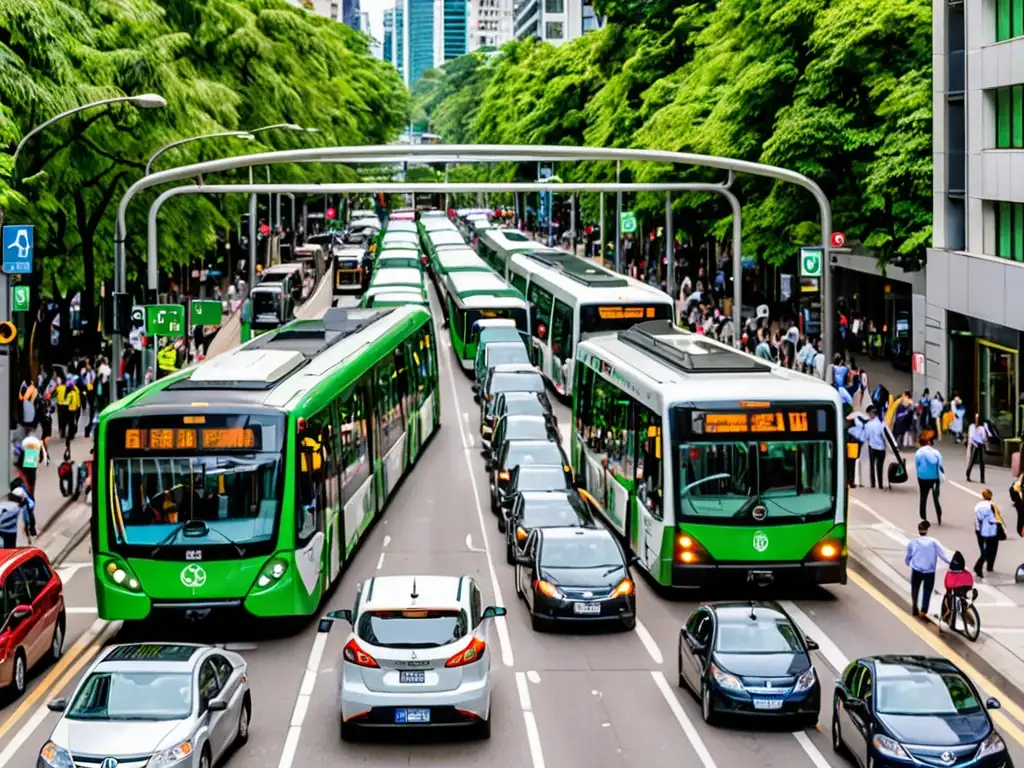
column 670, row 251
column 252, row 243
column 618, row 219
column 600, row 227
column 6, row 366
column 277, row 208
column 305, row 219
column 572, row 223
column 446, row 194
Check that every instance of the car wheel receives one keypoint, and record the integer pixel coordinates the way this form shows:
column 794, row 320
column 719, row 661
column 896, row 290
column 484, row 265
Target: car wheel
column 679, row 664
column 629, row 624
column 502, row 526
column 19, row 679
column 837, row 736
column 809, row 722
column 242, row 736
column 706, row 710
column 483, row 728
column 204, row 758
column 57, row 644
column 519, row 588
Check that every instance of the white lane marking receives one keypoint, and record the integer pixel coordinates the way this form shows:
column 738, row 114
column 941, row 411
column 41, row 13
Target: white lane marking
column 380, row 561
column 533, row 739
column 812, row 751
column 42, row 712
column 835, row 657
column 648, row 641
column 80, row 610
column 469, row 544
column 291, row 742
column 524, row 692
column 684, row 722
column 465, row 417
column 387, row 540
column 965, row 489
column 533, row 677
column 68, row 570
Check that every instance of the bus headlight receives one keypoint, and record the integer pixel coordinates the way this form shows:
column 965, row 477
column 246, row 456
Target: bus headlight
column 121, row 575
column 272, row 572
column 828, row 549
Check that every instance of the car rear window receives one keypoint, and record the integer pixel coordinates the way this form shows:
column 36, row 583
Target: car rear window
column 525, row 406
column 533, row 453
column 541, row 479
column 412, row 628
column 501, row 354
column 525, row 429
column 550, row 514
column 517, row 382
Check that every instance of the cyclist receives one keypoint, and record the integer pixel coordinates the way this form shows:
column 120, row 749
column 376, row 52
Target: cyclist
column 959, row 583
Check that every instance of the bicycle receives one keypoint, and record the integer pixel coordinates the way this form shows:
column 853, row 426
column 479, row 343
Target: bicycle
column 954, row 605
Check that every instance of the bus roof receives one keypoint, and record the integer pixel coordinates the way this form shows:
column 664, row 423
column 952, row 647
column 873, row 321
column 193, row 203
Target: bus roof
column 390, row 298
column 489, row 301
column 401, row 225
column 397, row 276
column 512, row 240
column 394, row 252
column 284, row 269
column 465, row 282
column 446, row 237
column 461, row 259
column 588, row 282
column 662, row 362
column 437, row 224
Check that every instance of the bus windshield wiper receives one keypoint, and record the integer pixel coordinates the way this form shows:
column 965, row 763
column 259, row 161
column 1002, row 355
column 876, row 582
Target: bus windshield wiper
column 194, row 529
column 170, row 538
column 238, row 547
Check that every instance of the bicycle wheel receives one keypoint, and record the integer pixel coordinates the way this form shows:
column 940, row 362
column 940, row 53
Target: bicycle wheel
column 946, row 611
column 972, row 622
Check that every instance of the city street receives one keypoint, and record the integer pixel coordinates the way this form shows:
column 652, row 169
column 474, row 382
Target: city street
column 597, row 699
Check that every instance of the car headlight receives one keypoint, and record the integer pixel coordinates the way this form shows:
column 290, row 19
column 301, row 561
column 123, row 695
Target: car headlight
column 54, row 756
column 805, row 681
column 121, row 575
column 993, row 745
column 888, row 747
column 725, row 680
column 271, row 573
column 172, row 756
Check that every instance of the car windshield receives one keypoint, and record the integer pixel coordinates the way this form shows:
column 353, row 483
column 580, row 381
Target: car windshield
column 541, row 479
column 501, row 354
column 757, row 636
column 581, row 552
column 520, row 452
column 524, row 406
column 412, row 628
column 528, row 381
column 550, row 513
column 525, row 429
column 133, row 696
column 266, row 303
column 914, row 691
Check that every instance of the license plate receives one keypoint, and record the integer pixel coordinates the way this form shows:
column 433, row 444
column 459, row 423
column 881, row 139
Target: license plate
column 412, row 715
column 767, row 703
column 412, row 677
column 587, row 609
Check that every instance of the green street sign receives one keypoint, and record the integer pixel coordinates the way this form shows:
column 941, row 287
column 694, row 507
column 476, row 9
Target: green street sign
column 21, row 298
column 165, row 320
column 627, row 222
column 206, row 312
column 810, row 262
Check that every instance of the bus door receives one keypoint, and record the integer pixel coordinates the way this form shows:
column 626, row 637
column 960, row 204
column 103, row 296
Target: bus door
column 561, row 347
column 312, row 442
column 647, row 534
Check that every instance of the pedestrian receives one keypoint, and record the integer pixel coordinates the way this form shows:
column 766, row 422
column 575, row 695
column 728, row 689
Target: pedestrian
column 956, row 426
column 1017, row 498
column 977, row 437
column 60, row 394
column 73, row 401
column 923, row 554
column 874, row 435
column 11, row 510
column 987, row 525
column 928, row 463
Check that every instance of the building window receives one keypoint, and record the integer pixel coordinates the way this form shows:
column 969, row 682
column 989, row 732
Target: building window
column 1009, row 19
column 554, row 6
column 553, row 30
column 1010, row 117
column 1010, row 231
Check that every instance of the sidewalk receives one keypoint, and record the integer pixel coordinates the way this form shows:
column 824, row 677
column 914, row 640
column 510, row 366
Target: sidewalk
column 50, row 505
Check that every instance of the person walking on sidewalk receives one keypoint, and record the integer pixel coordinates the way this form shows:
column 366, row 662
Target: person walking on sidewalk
column 928, row 463
column 977, row 436
column 986, row 527
column 923, row 554
column 874, row 436
column 13, row 508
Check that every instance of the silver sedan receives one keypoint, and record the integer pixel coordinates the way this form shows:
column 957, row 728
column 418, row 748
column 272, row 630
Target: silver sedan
column 155, row 705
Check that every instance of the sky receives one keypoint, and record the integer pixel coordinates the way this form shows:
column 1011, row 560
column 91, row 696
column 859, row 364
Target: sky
column 376, row 10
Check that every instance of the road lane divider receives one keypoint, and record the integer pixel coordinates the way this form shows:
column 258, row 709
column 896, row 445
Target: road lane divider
column 810, row 750
column 684, row 722
column 59, row 677
column 291, row 742
column 648, row 642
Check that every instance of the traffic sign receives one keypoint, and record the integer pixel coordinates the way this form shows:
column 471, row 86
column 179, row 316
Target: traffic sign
column 628, row 223
column 810, row 262
column 206, row 312
column 8, row 332
column 19, row 246
column 918, row 363
column 165, row 320
column 838, row 239
column 21, row 298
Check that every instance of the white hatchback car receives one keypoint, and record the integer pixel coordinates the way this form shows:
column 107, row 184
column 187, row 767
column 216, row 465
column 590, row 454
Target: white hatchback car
column 417, row 655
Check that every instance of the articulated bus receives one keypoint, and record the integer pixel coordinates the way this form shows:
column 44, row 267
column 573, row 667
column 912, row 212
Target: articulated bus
column 246, row 483
column 449, row 260
column 473, row 298
column 712, row 465
column 497, row 245
column 350, row 265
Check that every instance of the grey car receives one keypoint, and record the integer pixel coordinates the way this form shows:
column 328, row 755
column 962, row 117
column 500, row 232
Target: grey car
column 155, row 705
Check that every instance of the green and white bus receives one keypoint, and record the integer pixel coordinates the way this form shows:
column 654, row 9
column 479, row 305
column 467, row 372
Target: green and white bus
column 440, row 240
column 449, row 260
column 399, row 277
column 247, row 482
column 387, row 297
column 472, row 300
column 390, row 258
column 713, row 466
column 497, row 245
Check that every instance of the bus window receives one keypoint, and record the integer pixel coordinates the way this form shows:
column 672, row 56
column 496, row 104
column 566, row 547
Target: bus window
column 649, row 463
column 355, row 454
column 561, row 330
column 519, row 282
column 540, row 312
column 311, row 444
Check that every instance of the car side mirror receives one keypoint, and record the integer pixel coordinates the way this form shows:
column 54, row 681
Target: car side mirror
column 57, row 705
column 21, row 612
column 992, row 703
column 493, row 612
column 524, row 560
column 342, row 614
column 490, row 465
column 811, row 645
column 217, row 705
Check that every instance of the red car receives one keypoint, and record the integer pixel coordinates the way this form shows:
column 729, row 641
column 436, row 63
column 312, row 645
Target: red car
column 32, row 607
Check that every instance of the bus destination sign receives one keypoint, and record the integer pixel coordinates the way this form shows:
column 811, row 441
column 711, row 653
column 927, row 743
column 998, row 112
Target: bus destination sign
column 192, row 439
column 626, row 313
column 756, row 423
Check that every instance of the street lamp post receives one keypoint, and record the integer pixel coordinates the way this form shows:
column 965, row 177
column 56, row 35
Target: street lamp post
column 142, row 101
column 246, row 136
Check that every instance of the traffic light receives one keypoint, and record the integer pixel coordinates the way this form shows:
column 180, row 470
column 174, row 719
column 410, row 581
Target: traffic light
column 8, row 332
column 122, row 313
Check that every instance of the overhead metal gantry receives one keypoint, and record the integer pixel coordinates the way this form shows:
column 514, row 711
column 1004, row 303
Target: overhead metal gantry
column 471, row 153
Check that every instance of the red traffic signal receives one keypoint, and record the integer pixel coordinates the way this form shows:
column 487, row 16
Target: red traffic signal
column 331, row 213
column 838, row 239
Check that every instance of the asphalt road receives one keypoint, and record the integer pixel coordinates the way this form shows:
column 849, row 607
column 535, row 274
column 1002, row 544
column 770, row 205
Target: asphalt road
column 594, row 700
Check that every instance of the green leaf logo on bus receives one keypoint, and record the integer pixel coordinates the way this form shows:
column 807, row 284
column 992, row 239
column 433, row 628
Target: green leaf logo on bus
column 760, row 541
column 193, row 576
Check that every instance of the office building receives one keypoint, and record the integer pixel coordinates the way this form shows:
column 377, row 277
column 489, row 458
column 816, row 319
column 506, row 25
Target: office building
column 364, row 23
column 346, row 11
column 972, row 310
column 451, row 20
column 350, row 13
column 393, row 43
column 490, row 23
column 418, row 39
column 555, row 21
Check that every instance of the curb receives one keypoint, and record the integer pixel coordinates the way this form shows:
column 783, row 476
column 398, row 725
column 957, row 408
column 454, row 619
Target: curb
column 77, row 538
column 971, row 652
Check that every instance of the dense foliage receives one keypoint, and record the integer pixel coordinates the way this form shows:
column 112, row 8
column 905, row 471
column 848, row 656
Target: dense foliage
column 220, row 64
column 839, row 90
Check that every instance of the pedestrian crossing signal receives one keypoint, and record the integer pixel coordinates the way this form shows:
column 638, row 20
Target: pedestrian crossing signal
column 8, row 332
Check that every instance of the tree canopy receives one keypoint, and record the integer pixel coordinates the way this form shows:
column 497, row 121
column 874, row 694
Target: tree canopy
column 839, row 90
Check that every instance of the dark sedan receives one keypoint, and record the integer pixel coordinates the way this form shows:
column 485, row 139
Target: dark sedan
column 510, row 428
column 573, row 575
column 750, row 659
column 508, row 377
column 547, row 509
column 521, row 453
column 893, row 711
column 532, row 477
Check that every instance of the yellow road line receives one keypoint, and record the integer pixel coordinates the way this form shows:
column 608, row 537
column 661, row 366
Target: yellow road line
column 90, row 640
column 943, row 649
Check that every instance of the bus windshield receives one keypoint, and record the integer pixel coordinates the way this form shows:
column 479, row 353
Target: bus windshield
column 266, row 303
column 599, row 318
column 787, row 481
column 218, row 484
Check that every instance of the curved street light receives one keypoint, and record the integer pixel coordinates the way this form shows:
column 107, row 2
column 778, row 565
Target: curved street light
column 244, row 135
